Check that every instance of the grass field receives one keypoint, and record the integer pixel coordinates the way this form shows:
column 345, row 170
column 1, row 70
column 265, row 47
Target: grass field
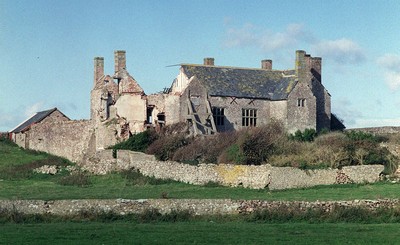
column 199, row 233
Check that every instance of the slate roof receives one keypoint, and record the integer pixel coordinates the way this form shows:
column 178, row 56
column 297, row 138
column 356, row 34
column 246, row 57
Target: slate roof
column 39, row 116
column 243, row 82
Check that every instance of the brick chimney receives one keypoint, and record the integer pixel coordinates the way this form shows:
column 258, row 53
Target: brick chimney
column 98, row 68
column 208, row 61
column 119, row 60
column 266, row 64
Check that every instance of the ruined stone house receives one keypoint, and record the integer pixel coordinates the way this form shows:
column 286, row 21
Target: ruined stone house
column 214, row 98
column 207, row 97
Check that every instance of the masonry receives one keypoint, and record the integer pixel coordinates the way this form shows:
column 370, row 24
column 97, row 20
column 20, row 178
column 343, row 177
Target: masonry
column 194, row 206
column 255, row 177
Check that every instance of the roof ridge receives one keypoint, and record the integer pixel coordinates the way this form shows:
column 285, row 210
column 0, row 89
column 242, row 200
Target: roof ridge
column 235, row 67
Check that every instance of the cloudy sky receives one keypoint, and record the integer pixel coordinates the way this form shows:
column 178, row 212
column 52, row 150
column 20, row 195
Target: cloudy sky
column 47, row 48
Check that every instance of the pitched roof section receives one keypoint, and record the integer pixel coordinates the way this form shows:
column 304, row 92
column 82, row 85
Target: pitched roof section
column 39, row 116
column 243, row 82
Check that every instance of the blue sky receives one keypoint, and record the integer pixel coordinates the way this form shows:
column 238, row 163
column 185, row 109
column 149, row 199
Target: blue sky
column 47, row 48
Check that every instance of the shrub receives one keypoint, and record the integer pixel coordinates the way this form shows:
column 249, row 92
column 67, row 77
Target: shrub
column 165, row 146
column 205, row 148
column 138, row 142
column 364, row 136
column 307, row 135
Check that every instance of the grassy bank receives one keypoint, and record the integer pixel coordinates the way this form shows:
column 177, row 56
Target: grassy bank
column 202, row 232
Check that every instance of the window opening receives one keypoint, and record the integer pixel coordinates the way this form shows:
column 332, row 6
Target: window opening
column 249, row 117
column 219, row 116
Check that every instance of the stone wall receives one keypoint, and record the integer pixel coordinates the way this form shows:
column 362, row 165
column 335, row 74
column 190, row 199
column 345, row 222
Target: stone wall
column 69, row 139
column 378, row 130
column 194, row 206
column 256, row 177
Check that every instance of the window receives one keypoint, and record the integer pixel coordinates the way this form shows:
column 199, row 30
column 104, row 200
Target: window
column 219, row 116
column 249, row 117
column 301, row 102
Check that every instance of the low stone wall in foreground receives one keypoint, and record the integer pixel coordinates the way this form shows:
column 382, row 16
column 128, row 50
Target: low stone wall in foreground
column 255, row 177
column 194, row 206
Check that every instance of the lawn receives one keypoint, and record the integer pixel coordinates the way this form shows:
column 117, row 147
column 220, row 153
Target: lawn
column 198, row 232
column 115, row 186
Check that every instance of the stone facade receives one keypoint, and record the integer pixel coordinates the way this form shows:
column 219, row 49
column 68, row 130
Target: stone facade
column 69, row 139
column 255, row 177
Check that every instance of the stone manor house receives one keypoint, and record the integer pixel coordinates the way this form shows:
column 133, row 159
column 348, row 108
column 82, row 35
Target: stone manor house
column 208, row 97
column 217, row 98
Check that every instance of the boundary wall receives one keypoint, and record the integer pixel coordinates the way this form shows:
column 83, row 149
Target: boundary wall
column 194, row 206
column 255, row 177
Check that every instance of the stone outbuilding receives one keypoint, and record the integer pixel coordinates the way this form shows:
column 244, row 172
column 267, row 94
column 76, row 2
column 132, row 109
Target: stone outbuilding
column 20, row 134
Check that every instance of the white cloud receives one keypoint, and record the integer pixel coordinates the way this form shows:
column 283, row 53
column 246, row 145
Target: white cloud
column 31, row 110
column 342, row 50
column 295, row 35
column 345, row 111
column 391, row 65
column 251, row 36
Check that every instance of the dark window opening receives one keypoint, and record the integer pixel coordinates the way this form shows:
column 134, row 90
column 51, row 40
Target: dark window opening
column 301, row 102
column 219, row 116
column 249, row 117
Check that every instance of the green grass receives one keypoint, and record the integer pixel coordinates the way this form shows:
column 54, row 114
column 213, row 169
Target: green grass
column 115, row 186
column 200, row 232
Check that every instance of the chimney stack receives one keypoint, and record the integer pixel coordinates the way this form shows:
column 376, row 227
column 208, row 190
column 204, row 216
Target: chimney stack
column 266, row 64
column 301, row 64
column 209, row 61
column 98, row 68
column 119, row 60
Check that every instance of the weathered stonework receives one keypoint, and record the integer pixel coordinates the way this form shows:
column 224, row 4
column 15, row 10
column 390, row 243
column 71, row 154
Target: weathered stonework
column 255, row 177
column 69, row 139
column 194, row 206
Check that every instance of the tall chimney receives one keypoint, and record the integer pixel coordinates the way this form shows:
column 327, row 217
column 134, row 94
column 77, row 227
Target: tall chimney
column 301, row 65
column 316, row 68
column 119, row 60
column 98, row 68
column 266, row 64
column 209, row 61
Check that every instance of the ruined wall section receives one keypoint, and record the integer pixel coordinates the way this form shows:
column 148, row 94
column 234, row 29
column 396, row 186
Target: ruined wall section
column 69, row 139
column 132, row 107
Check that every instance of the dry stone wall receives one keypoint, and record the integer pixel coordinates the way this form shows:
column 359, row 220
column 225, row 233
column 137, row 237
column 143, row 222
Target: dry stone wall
column 255, row 177
column 194, row 206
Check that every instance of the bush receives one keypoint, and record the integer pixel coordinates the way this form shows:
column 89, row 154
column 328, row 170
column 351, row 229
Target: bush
column 165, row 146
column 363, row 136
column 138, row 142
column 307, row 135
